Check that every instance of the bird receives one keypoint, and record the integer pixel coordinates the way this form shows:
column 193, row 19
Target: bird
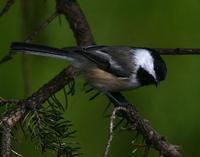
column 106, row 68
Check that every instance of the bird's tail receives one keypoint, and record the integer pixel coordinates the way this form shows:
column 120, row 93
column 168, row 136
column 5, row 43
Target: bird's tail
column 40, row 50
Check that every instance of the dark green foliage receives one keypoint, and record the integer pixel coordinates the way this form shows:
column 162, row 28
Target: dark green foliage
column 50, row 131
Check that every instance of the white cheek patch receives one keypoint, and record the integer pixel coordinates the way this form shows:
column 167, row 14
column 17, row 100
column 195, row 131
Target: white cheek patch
column 144, row 59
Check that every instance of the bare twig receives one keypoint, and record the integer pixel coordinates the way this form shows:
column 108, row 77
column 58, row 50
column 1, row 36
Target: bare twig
column 7, row 102
column 7, row 6
column 152, row 137
column 41, row 27
column 178, row 51
column 111, row 126
column 17, row 154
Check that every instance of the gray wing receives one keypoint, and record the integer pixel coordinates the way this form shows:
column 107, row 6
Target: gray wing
column 114, row 59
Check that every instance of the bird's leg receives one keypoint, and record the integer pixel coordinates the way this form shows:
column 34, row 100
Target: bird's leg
column 117, row 99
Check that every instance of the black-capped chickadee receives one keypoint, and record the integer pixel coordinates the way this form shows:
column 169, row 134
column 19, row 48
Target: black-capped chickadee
column 107, row 68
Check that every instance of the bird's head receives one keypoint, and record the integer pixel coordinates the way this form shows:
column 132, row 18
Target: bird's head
column 151, row 68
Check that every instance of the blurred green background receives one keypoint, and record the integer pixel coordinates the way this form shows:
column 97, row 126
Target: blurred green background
column 173, row 108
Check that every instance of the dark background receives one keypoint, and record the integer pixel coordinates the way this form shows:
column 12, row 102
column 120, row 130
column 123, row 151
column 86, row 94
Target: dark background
column 173, row 108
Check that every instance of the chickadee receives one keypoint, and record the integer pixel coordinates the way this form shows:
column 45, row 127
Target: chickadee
column 107, row 68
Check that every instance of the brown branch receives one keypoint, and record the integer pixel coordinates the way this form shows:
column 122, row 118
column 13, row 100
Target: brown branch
column 5, row 140
column 7, row 102
column 40, row 96
column 77, row 21
column 152, row 137
column 41, row 27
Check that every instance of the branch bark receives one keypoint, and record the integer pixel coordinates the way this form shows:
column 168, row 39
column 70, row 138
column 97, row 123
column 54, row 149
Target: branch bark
column 77, row 21
column 6, row 141
column 151, row 136
column 40, row 96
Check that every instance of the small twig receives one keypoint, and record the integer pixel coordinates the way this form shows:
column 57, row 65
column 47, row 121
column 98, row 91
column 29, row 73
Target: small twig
column 128, row 127
column 111, row 126
column 6, row 7
column 7, row 102
column 177, row 51
column 14, row 152
column 151, row 136
column 41, row 27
